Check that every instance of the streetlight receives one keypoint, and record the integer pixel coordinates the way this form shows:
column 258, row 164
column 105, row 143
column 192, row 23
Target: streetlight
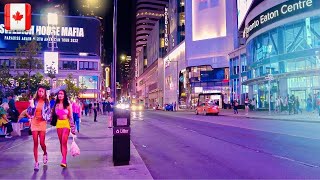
column 123, row 57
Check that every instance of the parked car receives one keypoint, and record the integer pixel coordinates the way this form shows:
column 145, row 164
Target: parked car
column 168, row 107
column 207, row 108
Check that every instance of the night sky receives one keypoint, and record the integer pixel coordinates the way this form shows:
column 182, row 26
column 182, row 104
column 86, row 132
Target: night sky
column 124, row 29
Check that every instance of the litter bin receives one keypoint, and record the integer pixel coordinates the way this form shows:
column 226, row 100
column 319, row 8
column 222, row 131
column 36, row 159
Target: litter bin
column 121, row 137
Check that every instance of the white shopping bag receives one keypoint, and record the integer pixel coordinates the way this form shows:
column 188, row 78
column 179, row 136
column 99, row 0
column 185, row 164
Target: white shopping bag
column 16, row 129
column 74, row 149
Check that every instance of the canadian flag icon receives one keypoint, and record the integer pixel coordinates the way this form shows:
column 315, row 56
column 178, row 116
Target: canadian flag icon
column 17, row 16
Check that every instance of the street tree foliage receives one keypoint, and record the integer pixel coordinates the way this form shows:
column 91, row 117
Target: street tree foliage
column 27, row 58
column 5, row 77
column 73, row 91
column 35, row 80
column 51, row 72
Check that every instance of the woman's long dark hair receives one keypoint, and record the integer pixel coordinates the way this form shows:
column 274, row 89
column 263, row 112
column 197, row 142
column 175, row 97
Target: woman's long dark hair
column 45, row 95
column 65, row 99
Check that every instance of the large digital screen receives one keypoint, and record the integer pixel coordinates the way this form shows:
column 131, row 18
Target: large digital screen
column 243, row 7
column 72, row 34
column 90, row 82
column 205, row 28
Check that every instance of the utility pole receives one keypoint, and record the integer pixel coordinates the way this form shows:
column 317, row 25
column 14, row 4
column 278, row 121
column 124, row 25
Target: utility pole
column 114, row 63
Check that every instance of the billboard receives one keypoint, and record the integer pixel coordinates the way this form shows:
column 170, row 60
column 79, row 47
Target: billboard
column 73, row 34
column 90, row 82
column 51, row 60
column 243, row 7
column 204, row 27
column 214, row 75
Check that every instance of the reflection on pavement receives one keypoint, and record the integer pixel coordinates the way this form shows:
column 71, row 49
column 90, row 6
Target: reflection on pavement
column 138, row 116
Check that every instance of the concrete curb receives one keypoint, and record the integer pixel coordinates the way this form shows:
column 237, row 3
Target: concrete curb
column 271, row 119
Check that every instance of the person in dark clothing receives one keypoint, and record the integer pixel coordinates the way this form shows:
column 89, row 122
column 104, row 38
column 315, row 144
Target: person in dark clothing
column 90, row 108
column 95, row 111
column 109, row 109
column 13, row 114
column 104, row 104
column 235, row 107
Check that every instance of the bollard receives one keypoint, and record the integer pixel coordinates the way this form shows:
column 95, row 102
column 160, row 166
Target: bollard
column 121, row 137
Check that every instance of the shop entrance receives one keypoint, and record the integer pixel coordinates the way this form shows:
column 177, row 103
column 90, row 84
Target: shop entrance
column 211, row 97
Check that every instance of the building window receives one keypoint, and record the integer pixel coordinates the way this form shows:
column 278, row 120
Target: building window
column 6, row 63
column 68, row 65
column 88, row 65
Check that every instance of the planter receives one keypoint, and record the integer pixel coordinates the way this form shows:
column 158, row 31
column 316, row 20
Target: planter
column 21, row 105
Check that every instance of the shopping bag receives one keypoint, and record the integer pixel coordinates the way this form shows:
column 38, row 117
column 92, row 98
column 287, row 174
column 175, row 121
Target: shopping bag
column 16, row 129
column 74, row 149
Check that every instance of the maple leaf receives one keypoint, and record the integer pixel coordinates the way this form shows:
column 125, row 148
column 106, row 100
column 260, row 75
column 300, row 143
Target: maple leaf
column 17, row 16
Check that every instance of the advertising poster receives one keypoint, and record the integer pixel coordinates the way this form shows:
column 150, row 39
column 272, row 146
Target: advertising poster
column 72, row 34
column 90, row 82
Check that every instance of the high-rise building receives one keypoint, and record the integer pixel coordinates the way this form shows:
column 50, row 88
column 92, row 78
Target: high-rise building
column 147, row 14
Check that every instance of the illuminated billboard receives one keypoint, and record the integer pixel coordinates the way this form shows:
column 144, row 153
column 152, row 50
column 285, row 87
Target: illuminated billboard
column 73, row 34
column 208, row 19
column 51, row 61
column 243, row 7
column 90, row 82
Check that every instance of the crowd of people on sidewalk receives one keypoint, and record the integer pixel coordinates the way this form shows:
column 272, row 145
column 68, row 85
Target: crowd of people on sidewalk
column 60, row 111
column 282, row 104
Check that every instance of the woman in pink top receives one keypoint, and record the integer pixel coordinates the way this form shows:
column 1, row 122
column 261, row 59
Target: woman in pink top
column 76, row 109
column 63, row 111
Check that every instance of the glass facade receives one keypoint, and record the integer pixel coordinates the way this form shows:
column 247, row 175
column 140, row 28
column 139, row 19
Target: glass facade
column 202, row 79
column 290, row 53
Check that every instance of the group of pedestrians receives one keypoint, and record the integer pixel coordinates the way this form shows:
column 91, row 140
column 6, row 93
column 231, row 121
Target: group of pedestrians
column 41, row 110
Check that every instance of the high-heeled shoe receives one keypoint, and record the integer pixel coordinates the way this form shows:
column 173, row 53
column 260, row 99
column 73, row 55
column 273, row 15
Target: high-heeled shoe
column 63, row 164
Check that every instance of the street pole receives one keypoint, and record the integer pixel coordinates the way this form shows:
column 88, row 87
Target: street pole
column 269, row 95
column 114, row 64
column 177, row 103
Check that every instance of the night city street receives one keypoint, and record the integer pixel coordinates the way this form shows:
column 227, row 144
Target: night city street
column 159, row 89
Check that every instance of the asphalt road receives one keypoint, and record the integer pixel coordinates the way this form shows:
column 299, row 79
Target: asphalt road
column 184, row 146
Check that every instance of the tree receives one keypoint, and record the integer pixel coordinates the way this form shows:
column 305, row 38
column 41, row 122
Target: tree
column 72, row 89
column 51, row 72
column 4, row 78
column 27, row 58
column 35, row 80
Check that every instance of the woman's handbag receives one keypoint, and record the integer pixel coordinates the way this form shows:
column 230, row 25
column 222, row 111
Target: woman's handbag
column 54, row 119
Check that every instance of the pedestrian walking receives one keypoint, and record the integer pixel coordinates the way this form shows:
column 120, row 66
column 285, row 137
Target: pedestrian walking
column 63, row 110
column 298, row 105
column 246, row 103
column 95, row 112
column 39, row 110
column 278, row 105
column 90, row 108
column 109, row 109
column 235, row 107
column 76, row 109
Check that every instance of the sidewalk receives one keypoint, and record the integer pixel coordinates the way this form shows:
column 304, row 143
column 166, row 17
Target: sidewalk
column 94, row 162
column 309, row 117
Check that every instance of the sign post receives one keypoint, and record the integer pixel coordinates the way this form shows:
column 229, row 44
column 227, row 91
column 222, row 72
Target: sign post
column 269, row 78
